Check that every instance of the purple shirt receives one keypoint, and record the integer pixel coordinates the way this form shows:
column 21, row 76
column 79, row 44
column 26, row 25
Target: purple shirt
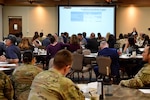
column 73, row 47
column 52, row 50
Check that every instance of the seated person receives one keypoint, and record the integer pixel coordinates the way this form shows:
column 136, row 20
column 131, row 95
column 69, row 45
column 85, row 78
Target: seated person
column 74, row 44
column 52, row 84
column 2, row 48
column 130, row 46
column 142, row 78
column 46, row 41
column 25, row 45
column 13, row 54
column 53, row 48
column 82, row 40
column 36, row 42
column 92, row 44
column 113, row 54
column 6, row 88
column 23, row 75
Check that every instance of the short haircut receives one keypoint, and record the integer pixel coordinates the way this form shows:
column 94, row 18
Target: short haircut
column 80, row 34
column 103, row 42
column 62, row 59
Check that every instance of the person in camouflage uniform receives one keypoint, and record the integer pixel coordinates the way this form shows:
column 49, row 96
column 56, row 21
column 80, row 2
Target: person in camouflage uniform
column 142, row 78
column 52, row 84
column 23, row 75
column 6, row 88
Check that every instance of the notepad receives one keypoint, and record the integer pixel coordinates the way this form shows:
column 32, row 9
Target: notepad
column 147, row 91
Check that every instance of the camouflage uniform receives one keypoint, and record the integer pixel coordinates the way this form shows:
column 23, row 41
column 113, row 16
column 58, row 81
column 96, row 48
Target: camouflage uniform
column 52, row 85
column 141, row 79
column 6, row 88
column 22, row 78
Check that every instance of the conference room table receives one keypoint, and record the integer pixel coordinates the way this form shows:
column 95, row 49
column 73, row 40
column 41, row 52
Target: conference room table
column 123, row 56
column 130, row 64
column 91, row 55
column 40, row 56
column 118, row 92
column 7, row 68
column 6, row 64
column 90, row 59
column 128, row 56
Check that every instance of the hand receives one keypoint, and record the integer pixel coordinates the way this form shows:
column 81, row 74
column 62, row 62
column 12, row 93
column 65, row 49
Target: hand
column 2, row 58
column 122, row 83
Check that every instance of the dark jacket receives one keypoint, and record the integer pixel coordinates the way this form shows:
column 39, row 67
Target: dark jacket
column 113, row 54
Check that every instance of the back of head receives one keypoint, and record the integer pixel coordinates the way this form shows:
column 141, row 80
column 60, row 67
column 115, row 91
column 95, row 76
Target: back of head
column 79, row 34
column 36, row 33
column 92, row 35
column 49, row 35
column 62, row 59
column 111, row 37
column 41, row 34
column 120, row 36
column 52, row 39
column 27, row 56
column 24, row 44
column 99, row 34
column 103, row 44
column 131, row 41
column 35, row 37
column 84, row 34
column 74, row 39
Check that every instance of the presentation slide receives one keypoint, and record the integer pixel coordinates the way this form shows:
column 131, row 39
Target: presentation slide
column 79, row 19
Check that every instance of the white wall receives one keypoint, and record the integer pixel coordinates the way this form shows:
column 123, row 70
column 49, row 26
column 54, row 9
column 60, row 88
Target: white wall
column 1, row 28
column 45, row 19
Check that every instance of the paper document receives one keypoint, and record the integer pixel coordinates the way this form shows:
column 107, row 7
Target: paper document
column 145, row 90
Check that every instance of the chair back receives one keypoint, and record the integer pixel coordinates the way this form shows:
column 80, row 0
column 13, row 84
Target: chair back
column 103, row 65
column 77, row 62
column 51, row 63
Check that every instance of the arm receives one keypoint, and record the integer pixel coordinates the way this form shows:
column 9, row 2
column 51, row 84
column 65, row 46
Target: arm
column 12, row 56
column 37, row 43
column 132, row 83
column 141, row 79
column 74, row 93
column 13, row 61
column 8, row 89
column 126, row 46
column 2, row 58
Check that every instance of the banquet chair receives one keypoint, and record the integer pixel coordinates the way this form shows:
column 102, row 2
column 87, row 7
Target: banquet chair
column 50, row 65
column 77, row 66
column 103, row 65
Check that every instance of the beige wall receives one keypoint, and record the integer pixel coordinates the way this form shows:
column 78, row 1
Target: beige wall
column 1, row 28
column 129, row 17
column 45, row 19
column 41, row 19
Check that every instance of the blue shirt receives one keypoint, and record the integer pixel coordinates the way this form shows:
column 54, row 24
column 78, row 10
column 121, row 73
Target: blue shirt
column 46, row 42
column 13, row 52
